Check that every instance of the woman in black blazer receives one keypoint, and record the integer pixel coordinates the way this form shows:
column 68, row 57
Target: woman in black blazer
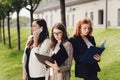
column 81, row 41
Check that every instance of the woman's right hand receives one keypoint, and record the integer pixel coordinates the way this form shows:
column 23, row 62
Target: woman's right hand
column 53, row 65
column 97, row 57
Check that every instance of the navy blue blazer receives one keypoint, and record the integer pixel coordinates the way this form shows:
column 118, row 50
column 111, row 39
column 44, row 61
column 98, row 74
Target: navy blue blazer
column 79, row 47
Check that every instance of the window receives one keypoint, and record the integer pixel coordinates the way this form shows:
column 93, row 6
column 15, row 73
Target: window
column 100, row 16
column 73, row 19
column 68, row 20
column 91, row 16
column 51, row 20
column 86, row 14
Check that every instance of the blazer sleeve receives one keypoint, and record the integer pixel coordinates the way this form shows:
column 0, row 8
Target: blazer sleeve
column 24, row 58
column 44, row 48
column 68, row 62
column 76, row 54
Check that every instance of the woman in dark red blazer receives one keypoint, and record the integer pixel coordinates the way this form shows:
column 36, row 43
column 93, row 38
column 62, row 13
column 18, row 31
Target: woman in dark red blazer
column 81, row 41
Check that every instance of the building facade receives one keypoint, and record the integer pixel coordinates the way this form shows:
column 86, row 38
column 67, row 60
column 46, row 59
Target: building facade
column 99, row 11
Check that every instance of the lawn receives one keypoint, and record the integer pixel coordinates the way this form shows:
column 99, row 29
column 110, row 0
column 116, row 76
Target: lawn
column 10, row 59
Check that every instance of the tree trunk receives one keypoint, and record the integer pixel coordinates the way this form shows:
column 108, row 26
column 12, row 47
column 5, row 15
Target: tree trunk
column 33, row 6
column 18, row 31
column 4, row 41
column 0, row 33
column 9, row 37
column 31, row 15
column 62, row 7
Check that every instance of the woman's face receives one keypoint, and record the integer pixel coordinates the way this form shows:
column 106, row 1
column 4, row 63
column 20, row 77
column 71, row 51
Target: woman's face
column 57, row 34
column 35, row 26
column 85, row 29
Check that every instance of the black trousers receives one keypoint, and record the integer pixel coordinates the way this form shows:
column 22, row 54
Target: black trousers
column 41, row 78
column 91, row 76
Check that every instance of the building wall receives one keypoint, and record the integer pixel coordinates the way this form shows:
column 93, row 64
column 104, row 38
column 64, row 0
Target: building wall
column 90, row 10
column 114, row 5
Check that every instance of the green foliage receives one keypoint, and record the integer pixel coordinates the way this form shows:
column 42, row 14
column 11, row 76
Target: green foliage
column 18, row 4
column 10, row 59
column 7, row 6
column 2, row 11
column 32, row 2
column 33, row 5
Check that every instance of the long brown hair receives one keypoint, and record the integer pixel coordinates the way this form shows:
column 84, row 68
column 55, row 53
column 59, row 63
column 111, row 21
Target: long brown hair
column 77, row 31
column 43, row 35
column 61, row 27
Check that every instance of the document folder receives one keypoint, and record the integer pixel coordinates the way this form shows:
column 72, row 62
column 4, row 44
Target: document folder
column 60, row 56
column 87, row 57
column 42, row 58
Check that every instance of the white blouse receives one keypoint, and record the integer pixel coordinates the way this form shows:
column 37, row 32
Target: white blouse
column 89, row 44
column 57, row 47
column 36, row 69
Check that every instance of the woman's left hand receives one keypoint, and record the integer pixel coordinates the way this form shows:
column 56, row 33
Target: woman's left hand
column 53, row 65
column 97, row 57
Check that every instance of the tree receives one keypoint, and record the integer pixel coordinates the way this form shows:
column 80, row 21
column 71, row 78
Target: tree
column 18, row 5
column 2, row 17
column 63, row 16
column 4, row 40
column 0, row 33
column 8, row 9
column 1, row 13
column 33, row 6
column 8, row 22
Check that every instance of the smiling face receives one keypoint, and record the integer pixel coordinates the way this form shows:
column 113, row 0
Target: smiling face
column 85, row 29
column 57, row 34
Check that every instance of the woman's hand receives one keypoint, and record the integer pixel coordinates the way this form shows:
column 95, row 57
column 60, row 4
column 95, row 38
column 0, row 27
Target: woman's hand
column 97, row 57
column 53, row 65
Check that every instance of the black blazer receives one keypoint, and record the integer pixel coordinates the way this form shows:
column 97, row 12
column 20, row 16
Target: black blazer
column 79, row 47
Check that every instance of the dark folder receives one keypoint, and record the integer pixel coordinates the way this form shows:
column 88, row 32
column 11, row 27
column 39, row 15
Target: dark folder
column 87, row 57
column 60, row 56
column 43, row 58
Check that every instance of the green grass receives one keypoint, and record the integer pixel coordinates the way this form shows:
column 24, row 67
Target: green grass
column 10, row 59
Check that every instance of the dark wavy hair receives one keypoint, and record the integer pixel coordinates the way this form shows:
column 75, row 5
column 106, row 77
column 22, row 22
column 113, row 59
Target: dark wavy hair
column 44, row 34
column 61, row 27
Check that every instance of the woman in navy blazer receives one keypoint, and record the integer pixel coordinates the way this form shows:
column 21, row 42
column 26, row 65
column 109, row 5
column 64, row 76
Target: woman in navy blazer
column 81, row 41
